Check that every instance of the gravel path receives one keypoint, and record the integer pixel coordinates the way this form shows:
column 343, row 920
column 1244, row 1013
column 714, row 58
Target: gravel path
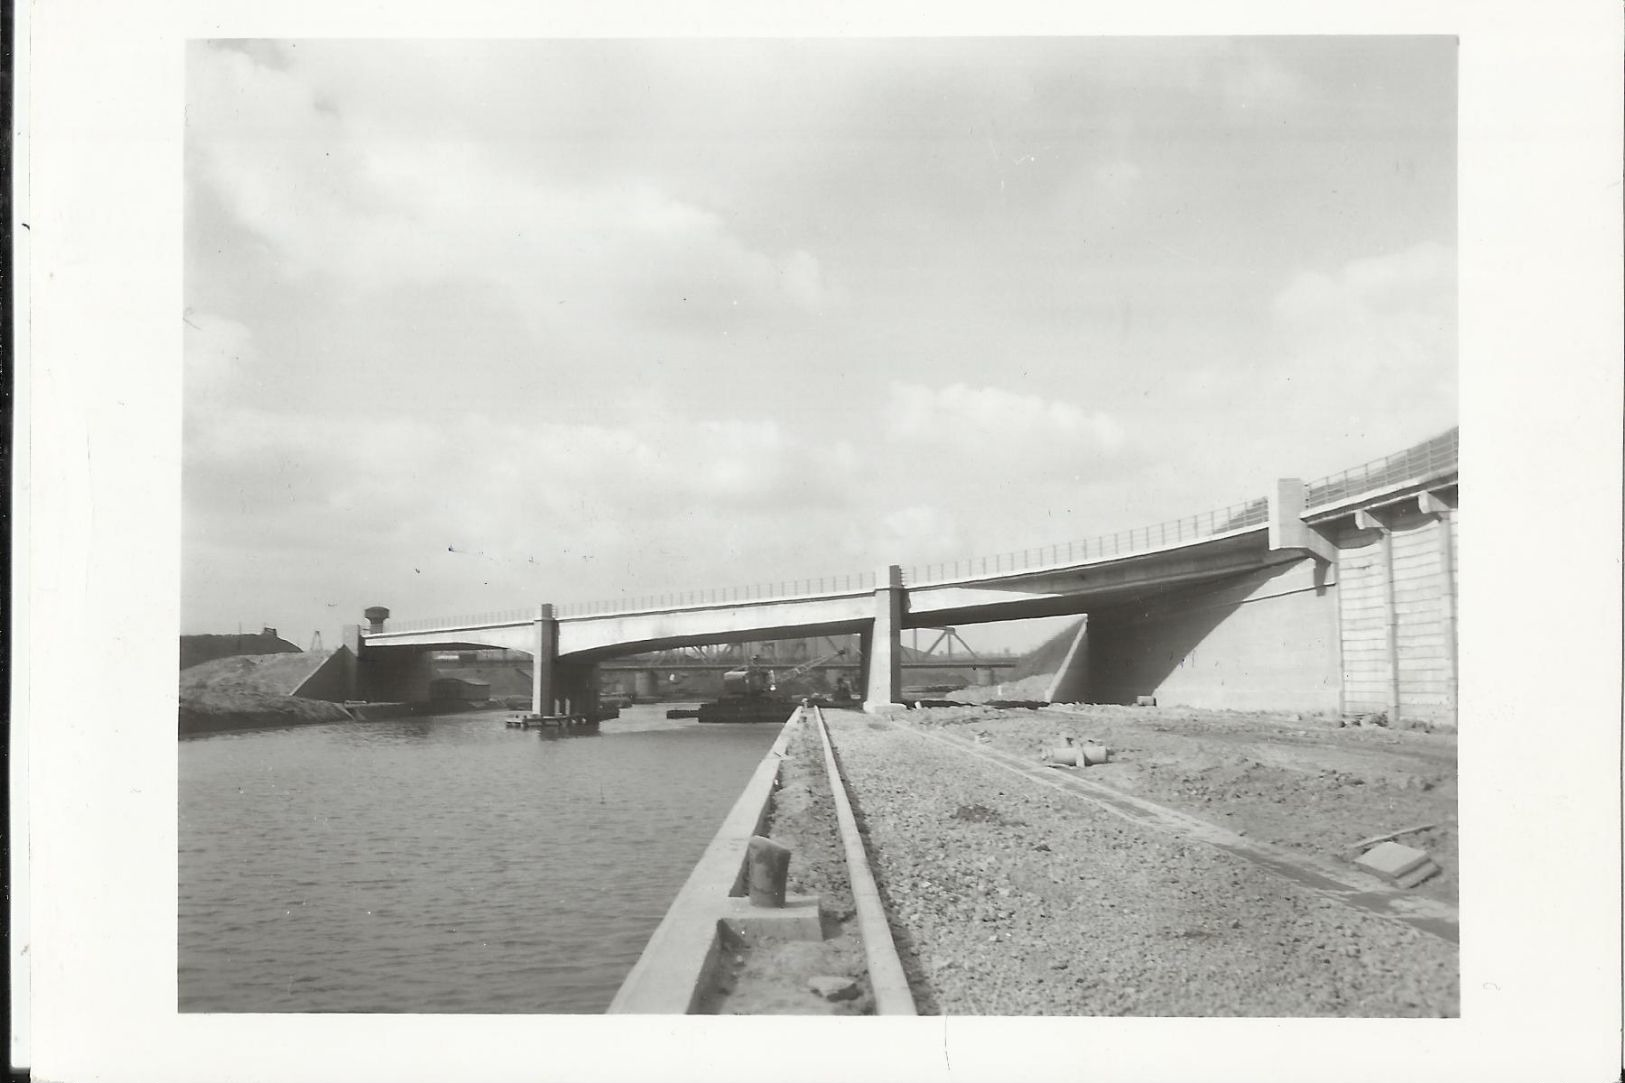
column 1008, row 898
column 1305, row 784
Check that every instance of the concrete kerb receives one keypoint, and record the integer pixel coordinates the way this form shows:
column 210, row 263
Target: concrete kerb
column 680, row 961
column 886, row 978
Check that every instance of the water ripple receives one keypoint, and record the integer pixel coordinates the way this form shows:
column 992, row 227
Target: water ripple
column 439, row 865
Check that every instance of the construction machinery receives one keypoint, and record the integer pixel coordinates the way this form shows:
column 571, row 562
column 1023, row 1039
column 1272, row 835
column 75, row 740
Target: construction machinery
column 755, row 693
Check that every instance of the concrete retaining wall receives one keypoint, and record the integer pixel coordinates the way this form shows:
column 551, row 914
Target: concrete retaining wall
column 1398, row 641
column 333, row 680
column 396, row 675
column 1265, row 640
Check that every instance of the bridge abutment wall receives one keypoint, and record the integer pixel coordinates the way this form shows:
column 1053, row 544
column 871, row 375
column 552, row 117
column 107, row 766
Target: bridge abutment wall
column 1398, row 610
column 397, row 676
column 1263, row 640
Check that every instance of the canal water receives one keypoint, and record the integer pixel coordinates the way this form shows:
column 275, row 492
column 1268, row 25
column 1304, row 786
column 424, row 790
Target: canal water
column 440, row 864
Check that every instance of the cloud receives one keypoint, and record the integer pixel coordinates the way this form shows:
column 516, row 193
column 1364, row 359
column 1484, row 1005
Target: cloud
column 915, row 533
column 1008, row 428
column 216, row 350
column 372, row 209
column 1252, row 83
column 582, row 510
column 1379, row 334
column 484, row 323
column 1392, row 314
column 1117, row 180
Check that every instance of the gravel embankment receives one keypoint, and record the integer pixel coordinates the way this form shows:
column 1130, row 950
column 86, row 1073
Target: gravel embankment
column 209, row 711
column 1007, row 898
column 1303, row 783
column 260, row 674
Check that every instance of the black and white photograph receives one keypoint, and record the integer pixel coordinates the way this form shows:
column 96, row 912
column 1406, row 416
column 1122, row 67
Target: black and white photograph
column 701, row 521
column 1061, row 432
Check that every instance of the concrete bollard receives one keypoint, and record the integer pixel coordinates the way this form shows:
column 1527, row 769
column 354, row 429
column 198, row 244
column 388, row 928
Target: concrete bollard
column 1093, row 755
column 1145, row 701
column 768, row 867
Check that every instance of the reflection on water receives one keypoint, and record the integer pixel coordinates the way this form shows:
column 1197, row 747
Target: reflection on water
column 443, row 864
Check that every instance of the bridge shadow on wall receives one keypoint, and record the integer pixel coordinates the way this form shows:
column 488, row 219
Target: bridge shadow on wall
column 1260, row 633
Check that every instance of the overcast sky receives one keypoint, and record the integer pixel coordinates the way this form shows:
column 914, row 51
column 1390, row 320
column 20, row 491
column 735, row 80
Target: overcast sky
column 476, row 325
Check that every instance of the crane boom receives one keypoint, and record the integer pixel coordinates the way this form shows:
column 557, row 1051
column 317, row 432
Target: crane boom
column 814, row 664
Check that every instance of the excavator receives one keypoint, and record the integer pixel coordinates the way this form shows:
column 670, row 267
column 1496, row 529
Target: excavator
column 752, row 694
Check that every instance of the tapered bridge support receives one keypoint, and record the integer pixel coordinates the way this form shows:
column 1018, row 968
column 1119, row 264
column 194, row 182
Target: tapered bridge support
column 883, row 647
column 544, row 662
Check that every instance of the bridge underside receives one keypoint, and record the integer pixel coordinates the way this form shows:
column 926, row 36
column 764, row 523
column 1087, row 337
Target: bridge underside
column 1254, row 640
column 1143, row 583
column 754, row 634
column 1085, row 588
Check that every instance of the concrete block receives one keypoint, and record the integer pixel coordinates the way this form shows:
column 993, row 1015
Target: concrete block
column 1391, row 861
column 1422, row 872
column 797, row 919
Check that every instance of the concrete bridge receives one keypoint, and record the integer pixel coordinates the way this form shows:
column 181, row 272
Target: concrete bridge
column 1336, row 595
column 1001, row 662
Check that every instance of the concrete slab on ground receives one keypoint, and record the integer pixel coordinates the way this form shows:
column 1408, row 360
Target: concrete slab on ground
column 798, row 919
column 1391, row 860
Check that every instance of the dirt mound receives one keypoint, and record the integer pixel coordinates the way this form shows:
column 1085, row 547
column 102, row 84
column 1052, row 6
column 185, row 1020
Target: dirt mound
column 1033, row 688
column 208, row 710
column 196, row 650
column 1031, row 678
column 264, row 674
column 1046, row 660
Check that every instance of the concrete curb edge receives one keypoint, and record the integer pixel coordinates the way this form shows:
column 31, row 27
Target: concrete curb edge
column 679, row 962
column 886, row 978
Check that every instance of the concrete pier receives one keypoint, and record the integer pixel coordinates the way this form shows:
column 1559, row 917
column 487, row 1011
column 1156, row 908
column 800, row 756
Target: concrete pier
column 883, row 649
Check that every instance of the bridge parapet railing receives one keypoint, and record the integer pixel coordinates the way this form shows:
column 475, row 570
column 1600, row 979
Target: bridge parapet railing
column 812, row 587
column 1191, row 528
column 1433, row 458
column 1429, row 459
column 472, row 620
